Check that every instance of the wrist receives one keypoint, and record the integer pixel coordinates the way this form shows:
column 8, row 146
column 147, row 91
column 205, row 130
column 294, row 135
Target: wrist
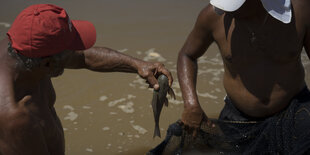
column 191, row 104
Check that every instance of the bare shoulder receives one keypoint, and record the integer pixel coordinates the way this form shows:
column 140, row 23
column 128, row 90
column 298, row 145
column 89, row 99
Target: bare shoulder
column 302, row 10
column 207, row 18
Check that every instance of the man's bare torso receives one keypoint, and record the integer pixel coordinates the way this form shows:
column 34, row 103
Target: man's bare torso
column 40, row 106
column 263, row 69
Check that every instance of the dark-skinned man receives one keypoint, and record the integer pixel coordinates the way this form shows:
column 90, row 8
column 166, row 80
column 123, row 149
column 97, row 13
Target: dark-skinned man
column 260, row 42
column 40, row 44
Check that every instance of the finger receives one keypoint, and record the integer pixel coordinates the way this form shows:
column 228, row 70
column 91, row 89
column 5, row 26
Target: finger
column 155, row 72
column 153, row 82
column 163, row 70
column 25, row 99
column 168, row 74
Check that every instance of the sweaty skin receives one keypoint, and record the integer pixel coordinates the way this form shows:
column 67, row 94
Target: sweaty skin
column 261, row 56
column 29, row 124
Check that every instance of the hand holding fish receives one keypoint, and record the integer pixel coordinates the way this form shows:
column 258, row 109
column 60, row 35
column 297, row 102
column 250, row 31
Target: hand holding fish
column 150, row 71
column 192, row 118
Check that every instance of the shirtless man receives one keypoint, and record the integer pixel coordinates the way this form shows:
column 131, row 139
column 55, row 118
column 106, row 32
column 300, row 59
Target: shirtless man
column 40, row 44
column 261, row 52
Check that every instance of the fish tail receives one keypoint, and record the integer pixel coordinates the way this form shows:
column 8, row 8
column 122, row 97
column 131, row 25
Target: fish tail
column 156, row 131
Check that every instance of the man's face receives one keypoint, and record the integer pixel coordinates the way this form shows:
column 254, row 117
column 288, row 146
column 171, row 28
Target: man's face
column 56, row 64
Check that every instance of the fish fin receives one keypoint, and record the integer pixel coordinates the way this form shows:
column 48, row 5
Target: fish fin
column 171, row 93
column 166, row 102
column 156, row 131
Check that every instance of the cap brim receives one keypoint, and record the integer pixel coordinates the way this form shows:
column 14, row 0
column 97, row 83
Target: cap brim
column 85, row 35
column 227, row 5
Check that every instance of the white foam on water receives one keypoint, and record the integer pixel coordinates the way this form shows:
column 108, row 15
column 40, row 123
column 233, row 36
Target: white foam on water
column 215, row 79
column 139, row 52
column 170, row 63
column 130, row 96
column 106, row 128
column 140, row 129
column 208, row 95
column 86, row 107
column 69, row 107
column 103, row 98
column 176, row 84
column 152, row 55
column 113, row 113
column 138, row 82
column 113, row 103
column 4, row 24
column 214, row 72
column 129, row 136
column 211, row 61
column 127, row 108
column 71, row 116
column 176, row 102
column 177, row 92
column 218, row 90
column 123, row 50
column 89, row 150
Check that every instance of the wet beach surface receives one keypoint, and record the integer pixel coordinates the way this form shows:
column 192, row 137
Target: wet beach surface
column 110, row 113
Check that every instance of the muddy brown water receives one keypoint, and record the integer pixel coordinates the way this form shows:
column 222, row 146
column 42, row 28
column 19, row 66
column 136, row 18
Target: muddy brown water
column 110, row 113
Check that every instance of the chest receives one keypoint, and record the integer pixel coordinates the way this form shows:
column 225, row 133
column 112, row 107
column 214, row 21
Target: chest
column 241, row 41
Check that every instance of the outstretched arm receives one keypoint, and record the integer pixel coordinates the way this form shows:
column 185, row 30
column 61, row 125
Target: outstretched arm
column 195, row 46
column 103, row 59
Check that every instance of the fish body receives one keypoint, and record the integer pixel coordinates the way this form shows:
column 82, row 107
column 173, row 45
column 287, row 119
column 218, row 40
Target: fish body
column 159, row 99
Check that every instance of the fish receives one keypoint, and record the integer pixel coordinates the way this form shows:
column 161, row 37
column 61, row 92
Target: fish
column 160, row 99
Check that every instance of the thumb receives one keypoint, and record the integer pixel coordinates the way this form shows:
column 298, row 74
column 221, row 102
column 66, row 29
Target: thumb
column 24, row 100
column 153, row 82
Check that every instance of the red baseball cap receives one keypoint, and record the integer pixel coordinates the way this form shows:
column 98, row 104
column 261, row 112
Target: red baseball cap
column 45, row 29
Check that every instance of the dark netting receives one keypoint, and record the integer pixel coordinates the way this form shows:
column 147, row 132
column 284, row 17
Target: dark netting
column 285, row 133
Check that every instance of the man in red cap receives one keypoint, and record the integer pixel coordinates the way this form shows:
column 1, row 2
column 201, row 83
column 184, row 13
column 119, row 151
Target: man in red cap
column 40, row 44
column 260, row 42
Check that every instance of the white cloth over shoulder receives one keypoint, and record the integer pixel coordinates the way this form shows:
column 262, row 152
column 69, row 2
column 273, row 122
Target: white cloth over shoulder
column 279, row 9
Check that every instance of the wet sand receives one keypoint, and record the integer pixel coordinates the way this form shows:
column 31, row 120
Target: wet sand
column 110, row 113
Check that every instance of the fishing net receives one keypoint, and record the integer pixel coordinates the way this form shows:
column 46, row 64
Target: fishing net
column 287, row 132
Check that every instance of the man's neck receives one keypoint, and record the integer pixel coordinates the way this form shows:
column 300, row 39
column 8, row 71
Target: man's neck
column 250, row 9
